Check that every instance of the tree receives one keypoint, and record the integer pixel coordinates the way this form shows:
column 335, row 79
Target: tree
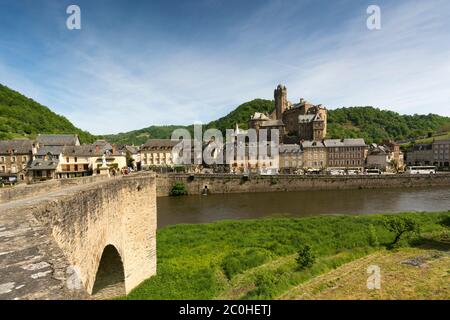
column 129, row 158
column 305, row 258
column 178, row 189
column 400, row 226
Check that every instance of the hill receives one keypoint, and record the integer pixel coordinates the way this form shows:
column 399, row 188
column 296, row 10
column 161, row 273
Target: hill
column 239, row 115
column 372, row 124
column 375, row 125
column 22, row 117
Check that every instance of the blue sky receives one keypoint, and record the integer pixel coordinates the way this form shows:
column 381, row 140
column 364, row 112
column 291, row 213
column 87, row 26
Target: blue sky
column 137, row 63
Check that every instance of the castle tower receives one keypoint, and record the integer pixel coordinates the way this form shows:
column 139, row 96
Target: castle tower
column 280, row 95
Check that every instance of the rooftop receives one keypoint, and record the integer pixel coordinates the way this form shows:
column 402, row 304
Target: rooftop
column 58, row 140
column 344, row 142
column 16, row 146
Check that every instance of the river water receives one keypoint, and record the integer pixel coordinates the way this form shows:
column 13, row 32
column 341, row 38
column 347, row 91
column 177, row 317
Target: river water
column 201, row 209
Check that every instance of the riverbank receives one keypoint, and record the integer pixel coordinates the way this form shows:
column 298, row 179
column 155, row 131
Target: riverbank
column 221, row 183
column 212, row 261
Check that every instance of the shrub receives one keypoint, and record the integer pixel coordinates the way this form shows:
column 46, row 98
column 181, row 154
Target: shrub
column 445, row 221
column 373, row 238
column 305, row 258
column 400, row 226
column 178, row 189
column 240, row 260
column 265, row 285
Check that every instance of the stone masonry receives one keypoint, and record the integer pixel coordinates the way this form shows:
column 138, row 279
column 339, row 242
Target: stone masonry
column 51, row 245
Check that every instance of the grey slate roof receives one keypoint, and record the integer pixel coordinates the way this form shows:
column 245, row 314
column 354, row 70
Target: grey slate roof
column 16, row 146
column 53, row 150
column 290, row 148
column 130, row 149
column 159, row 143
column 39, row 164
column 83, row 150
column 306, row 117
column 272, row 123
column 344, row 143
column 312, row 144
column 58, row 139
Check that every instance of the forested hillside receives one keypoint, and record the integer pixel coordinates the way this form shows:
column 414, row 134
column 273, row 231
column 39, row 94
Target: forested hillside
column 23, row 117
column 372, row 124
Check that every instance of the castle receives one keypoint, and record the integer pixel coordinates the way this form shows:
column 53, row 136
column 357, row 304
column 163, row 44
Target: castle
column 296, row 122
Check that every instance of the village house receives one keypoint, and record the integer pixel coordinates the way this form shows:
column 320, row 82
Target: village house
column 134, row 154
column 157, row 153
column 290, row 158
column 420, row 155
column 45, row 163
column 314, row 155
column 346, row 153
column 386, row 157
column 441, row 153
column 84, row 160
column 15, row 156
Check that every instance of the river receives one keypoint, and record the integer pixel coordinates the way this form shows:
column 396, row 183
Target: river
column 201, row 209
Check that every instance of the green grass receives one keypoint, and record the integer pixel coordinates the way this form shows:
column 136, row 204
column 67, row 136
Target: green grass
column 225, row 259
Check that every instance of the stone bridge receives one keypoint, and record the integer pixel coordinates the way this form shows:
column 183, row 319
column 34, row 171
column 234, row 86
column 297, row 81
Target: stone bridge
column 96, row 239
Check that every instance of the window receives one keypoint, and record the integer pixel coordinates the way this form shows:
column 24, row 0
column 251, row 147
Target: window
column 67, row 159
column 13, row 159
column 75, row 159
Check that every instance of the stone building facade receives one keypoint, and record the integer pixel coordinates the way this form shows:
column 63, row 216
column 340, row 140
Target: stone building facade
column 441, row 153
column 290, row 158
column 346, row 153
column 386, row 157
column 420, row 155
column 15, row 156
column 314, row 155
column 157, row 153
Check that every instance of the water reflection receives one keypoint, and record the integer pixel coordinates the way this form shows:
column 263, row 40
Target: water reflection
column 201, row 209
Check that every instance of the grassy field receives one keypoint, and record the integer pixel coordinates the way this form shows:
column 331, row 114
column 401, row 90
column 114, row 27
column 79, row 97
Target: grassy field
column 406, row 273
column 255, row 259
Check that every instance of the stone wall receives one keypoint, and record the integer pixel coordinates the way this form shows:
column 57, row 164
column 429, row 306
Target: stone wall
column 29, row 190
column 235, row 183
column 119, row 212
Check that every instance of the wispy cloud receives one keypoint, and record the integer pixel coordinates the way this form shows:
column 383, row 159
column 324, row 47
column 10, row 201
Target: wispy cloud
column 107, row 87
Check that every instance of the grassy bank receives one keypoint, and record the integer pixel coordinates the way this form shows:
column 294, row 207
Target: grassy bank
column 256, row 258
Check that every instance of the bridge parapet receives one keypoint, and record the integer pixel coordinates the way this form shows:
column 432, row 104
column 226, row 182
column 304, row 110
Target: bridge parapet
column 118, row 215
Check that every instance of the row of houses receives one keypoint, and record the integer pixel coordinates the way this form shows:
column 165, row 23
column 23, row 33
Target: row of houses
column 57, row 156
column 62, row 156
column 291, row 158
column 435, row 153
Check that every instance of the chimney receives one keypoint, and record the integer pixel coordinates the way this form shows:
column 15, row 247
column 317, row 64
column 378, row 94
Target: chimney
column 114, row 149
column 97, row 149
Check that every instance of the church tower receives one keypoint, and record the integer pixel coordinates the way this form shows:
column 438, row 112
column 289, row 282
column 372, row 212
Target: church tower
column 280, row 95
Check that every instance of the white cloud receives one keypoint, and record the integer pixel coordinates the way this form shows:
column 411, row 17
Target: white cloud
column 403, row 67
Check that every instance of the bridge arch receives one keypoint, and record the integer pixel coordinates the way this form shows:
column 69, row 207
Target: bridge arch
column 110, row 277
